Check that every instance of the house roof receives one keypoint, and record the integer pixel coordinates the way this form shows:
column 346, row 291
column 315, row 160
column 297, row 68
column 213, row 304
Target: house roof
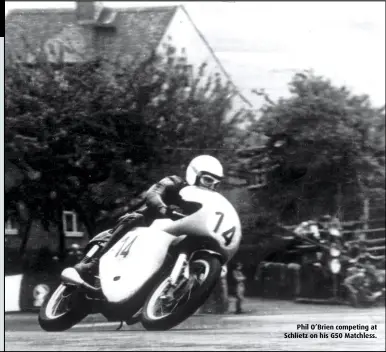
column 140, row 29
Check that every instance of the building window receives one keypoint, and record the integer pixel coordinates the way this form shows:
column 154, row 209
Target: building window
column 11, row 227
column 71, row 225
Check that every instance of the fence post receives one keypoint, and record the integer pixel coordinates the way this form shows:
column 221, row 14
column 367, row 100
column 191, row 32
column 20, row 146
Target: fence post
column 366, row 213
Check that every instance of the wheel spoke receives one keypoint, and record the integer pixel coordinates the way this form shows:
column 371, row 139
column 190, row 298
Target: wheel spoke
column 59, row 303
column 55, row 307
column 182, row 294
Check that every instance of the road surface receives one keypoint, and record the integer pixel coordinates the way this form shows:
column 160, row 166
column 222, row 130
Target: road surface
column 263, row 327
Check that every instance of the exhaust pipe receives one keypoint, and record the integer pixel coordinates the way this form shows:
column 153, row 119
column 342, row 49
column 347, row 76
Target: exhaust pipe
column 71, row 277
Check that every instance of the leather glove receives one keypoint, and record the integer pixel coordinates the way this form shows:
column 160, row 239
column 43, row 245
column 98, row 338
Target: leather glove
column 163, row 211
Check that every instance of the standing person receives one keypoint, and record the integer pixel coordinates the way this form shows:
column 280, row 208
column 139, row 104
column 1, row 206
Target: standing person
column 239, row 279
column 330, row 229
column 224, row 289
column 362, row 275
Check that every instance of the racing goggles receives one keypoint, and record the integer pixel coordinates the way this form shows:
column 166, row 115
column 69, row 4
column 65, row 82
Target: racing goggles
column 208, row 181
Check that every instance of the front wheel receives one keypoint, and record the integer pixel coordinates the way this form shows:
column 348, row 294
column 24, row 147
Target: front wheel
column 66, row 307
column 163, row 314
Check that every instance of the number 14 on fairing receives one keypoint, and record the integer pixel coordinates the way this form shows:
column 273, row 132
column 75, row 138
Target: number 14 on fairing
column 228, row 234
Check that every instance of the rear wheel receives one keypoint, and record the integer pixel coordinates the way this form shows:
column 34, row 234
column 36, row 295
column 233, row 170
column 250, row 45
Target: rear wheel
column 66, row 307
column 163, row 311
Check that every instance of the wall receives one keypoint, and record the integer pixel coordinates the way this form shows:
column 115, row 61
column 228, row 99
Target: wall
column 12, row 293
column 39, row 238
column 53, row 33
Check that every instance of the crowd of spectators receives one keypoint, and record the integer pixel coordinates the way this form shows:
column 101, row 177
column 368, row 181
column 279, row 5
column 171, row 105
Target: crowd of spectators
column 359, row 275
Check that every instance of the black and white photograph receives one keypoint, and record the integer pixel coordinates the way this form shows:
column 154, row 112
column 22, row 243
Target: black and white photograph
column 193, row 175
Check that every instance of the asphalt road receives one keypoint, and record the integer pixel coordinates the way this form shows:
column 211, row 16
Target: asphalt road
column 263, row 327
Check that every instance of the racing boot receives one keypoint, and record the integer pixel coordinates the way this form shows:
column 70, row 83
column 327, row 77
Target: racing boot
column 88, row 267
column 88, row 271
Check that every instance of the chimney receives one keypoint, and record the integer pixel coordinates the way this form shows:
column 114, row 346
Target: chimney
column 87, row 12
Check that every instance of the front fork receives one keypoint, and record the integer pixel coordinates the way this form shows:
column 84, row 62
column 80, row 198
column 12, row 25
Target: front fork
column 180, row 268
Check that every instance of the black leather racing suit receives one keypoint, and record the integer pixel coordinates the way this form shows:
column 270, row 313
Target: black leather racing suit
column 158, row 198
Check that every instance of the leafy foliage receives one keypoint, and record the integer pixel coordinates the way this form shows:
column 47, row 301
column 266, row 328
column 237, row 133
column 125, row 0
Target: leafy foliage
column 329, row 145
column 94, row 134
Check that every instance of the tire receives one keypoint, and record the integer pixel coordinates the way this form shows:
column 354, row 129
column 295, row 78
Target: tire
column 196, row 300
column 64, row 321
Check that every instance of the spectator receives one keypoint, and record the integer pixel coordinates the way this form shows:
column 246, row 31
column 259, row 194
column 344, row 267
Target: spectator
column 76, row 252
column 358, row 234
column 360, row 254
column 330, row 229
column 239, row 279
column 224, row 288
column 362, row 276
column 74, row 255
column 324, row 230
column 308, row 228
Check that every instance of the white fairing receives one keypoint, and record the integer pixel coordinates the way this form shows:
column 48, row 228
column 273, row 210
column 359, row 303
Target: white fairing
column 214, row 204
column 123, row 275
column 134, row 259
column 217, row 219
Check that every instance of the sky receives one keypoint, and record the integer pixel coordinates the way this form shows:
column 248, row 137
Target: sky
column 262, row 44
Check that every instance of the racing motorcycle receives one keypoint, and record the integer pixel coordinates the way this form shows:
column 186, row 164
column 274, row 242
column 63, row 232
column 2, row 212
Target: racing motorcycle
column 159, row 274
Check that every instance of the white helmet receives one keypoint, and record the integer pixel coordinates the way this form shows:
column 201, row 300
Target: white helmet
column 204, row 170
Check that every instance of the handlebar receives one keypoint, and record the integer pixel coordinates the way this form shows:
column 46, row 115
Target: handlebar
column 177, row 215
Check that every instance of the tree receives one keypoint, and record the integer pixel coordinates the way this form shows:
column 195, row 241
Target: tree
column 95, row 133
column 329, row 146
